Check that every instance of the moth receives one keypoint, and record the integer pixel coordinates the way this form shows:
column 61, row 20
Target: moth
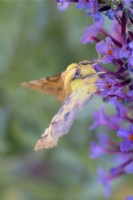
column 75, row 86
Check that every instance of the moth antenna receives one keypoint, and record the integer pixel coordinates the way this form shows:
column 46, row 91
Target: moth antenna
column 99, row 57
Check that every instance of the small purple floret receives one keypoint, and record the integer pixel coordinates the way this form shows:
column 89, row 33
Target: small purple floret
column 90, row 33
column 127, row 136
column 105, row 181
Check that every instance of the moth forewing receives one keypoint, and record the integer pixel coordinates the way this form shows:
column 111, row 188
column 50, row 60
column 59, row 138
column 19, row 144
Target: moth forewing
column 51, row 85
column 63, row 120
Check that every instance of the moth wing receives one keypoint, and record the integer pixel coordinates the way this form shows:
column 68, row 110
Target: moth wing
column 62, row 121
column 52, row 85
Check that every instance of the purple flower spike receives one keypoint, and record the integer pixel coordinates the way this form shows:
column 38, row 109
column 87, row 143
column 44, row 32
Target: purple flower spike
column 114, row 45
column 127, row 143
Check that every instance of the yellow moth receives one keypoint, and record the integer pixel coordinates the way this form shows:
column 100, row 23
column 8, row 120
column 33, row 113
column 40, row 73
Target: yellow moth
column 74, row 86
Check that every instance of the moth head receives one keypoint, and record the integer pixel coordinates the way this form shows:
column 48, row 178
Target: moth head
column 77, row 73
column 86, row 69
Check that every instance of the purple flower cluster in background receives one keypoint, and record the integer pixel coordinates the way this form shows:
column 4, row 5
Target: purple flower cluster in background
column 116, row 86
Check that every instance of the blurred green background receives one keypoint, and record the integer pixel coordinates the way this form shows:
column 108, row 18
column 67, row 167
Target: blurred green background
column 36, row 40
